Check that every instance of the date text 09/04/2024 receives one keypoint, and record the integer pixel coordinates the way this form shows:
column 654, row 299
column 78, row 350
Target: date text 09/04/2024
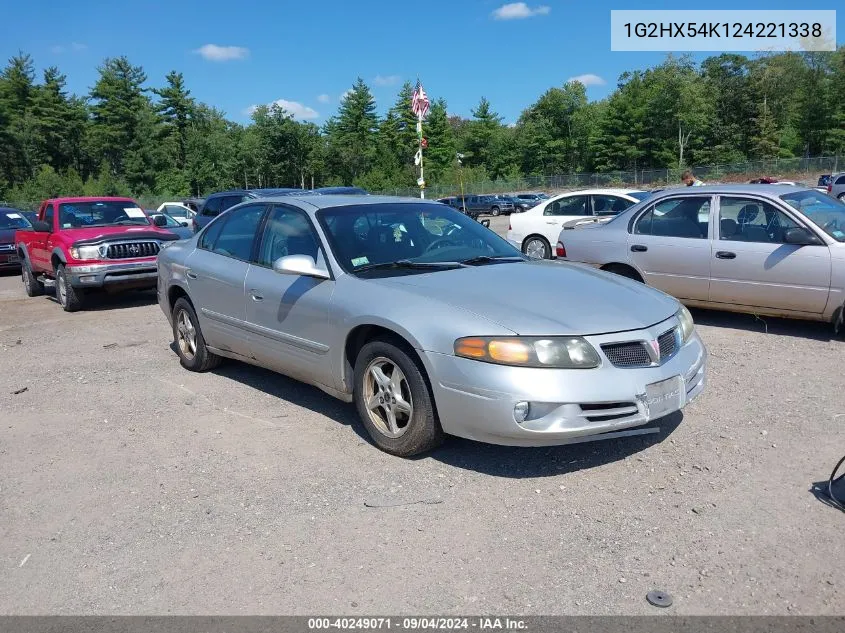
column 417, row 623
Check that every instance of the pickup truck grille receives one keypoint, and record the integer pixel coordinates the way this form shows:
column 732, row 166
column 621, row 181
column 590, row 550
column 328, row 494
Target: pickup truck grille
column 130, row 250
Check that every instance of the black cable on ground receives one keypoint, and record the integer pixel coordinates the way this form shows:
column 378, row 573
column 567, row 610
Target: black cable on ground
column 839, row 503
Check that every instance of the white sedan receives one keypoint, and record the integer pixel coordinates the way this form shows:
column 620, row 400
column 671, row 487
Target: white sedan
column 177, row 211
column 535, row 231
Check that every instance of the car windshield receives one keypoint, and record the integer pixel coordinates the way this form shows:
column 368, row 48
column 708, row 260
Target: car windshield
column 825, row 212
column 13, row 219
column 101, row 213
column 424, row 234
column 639, row 195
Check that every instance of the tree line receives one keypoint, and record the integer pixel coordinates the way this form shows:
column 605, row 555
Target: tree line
column 126, row 137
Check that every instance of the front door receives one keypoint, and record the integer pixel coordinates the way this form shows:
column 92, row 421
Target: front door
column 670, row 245
column 216, row 271
column 288, row 315
column 40, row 247
column 752, row 266
column 565, row 210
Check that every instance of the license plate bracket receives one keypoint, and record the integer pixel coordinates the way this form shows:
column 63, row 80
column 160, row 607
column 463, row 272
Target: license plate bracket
column 664, row 397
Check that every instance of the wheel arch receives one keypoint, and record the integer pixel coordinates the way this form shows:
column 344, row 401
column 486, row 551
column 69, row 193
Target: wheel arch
column 174, row 293
column 612, row 267
column 363, row 333
column 57, row 257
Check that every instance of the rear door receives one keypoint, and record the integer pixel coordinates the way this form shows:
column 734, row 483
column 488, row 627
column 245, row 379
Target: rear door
column 752, row 266
column 216, row 272
column 288, row 315
column 670, row 244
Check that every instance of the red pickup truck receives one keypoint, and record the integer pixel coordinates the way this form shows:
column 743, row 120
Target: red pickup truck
column 90, row 244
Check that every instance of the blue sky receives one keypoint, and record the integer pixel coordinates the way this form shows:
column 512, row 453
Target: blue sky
column 308, row 52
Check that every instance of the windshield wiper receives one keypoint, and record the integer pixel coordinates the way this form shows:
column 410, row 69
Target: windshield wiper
column 127, row 222
column 488, row 259
column 409, row 265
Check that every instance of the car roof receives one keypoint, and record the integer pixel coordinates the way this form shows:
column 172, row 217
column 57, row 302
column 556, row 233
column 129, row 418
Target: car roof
column 773, row 190
column 93, row 199
column 328, row 202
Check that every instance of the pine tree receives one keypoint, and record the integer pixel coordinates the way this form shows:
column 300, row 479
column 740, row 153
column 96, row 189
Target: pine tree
column 354, row 132
column 441, row 155
column 176, row 107
column 479, row 134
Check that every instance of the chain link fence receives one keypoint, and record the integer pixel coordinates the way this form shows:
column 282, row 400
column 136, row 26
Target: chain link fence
column 804, row 169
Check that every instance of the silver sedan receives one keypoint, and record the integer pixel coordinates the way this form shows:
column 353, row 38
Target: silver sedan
column 429, row 322
column 765, row 249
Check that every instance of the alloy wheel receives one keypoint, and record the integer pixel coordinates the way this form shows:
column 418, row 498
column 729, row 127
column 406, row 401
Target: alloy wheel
column 186, row 335
column 536, row 248
column 61, row 289
column 387, row 395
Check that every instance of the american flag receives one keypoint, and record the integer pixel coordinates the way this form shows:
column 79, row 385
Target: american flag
column 419, row 101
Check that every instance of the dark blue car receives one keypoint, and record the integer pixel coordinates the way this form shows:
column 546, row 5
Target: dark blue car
column 217, row 203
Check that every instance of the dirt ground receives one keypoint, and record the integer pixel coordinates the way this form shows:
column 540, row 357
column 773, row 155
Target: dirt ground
column 130, row 486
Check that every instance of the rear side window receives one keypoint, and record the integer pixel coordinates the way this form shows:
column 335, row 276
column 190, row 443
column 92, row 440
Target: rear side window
column 238, row 233
column 231, row 201
column 212, row 207
column 687, row 217
column 840, row 180
column 574, row 205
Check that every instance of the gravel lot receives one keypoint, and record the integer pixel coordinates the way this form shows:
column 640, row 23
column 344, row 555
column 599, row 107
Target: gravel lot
column 130, row 486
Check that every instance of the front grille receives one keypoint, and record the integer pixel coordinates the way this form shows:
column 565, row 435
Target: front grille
column 130, row 250
column 631, row 354
column 6, row 247
column 667, row 344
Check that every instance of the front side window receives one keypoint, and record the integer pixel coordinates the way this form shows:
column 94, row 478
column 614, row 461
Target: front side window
column 825, row 212
column 840, row 180
column 238, row 232
column 423, row 233
column 687, row 217
column 212, row 207
column 573, row 205
column 287, row 232
column 48, row 215
column 752, row 220
column 74, row 215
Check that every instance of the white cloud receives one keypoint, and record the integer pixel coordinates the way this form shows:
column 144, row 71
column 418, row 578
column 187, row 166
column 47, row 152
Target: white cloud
column 324, row 98
column 215, row 53
column 588, row 80
column 387, row 80
column 519, row 11
column 345, row 93
column 76, row 47
column 299, row 111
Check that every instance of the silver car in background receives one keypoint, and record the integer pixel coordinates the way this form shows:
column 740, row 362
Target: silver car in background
column 431, row 323
column 765, row 249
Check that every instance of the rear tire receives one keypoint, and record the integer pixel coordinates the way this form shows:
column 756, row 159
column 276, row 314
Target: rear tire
column 190, row 343
column 31, row 285
column 537, row 247
column 396, row 407
column 71, row 299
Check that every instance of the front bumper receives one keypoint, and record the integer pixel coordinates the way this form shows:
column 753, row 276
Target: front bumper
column 476, row 400
column 9, row 260
column 136, row 274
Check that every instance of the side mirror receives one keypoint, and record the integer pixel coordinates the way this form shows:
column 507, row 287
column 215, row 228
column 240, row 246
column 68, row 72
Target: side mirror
column 299, row 265
column 799, row 236
column 41, row 227
column 159, row 220
column 185, row 224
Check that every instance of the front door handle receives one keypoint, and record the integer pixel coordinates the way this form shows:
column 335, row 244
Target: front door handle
column 551, row 222
column 725, row 255
column 639, row 248
column 255, row 296
column 190, row 274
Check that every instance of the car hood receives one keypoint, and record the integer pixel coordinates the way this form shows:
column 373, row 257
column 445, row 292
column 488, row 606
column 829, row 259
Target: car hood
column 7, row 236
column 97, row 233
column 544, row 298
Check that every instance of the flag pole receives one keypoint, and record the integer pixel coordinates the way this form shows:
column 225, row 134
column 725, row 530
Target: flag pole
column 422, row 176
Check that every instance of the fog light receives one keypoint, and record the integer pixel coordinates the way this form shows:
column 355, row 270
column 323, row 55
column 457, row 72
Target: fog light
column 87, row 279
column 521, row 411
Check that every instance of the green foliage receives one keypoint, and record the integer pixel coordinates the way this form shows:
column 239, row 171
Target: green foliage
column 126, row 137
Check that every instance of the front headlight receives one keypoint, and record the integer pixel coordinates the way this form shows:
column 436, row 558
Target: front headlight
column 559, row 352
column 687, row 324
column 85, row 252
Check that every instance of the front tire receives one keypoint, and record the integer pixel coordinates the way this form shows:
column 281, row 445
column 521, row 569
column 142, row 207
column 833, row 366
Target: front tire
column 537, row 247
column 394, row 401
column 71, row 299
column 190, row 343
column 31, row 285
column 495, row 211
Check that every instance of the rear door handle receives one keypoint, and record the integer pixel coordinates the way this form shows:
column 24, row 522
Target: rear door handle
column 725, row 255
column 551, row 222
column 639, row 248
column 190, row 274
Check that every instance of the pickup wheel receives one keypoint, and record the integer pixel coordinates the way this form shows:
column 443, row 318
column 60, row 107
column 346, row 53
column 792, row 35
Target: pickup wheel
column 190, row 344
column 31, row 285
column 70, row 298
